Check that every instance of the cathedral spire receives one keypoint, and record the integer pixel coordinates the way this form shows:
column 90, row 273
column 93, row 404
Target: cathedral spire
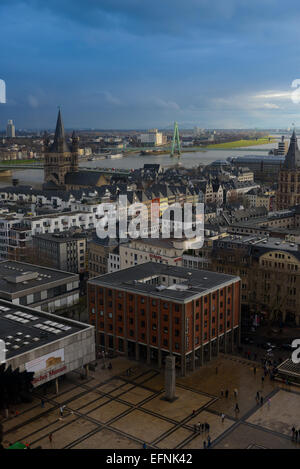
column 59, row 145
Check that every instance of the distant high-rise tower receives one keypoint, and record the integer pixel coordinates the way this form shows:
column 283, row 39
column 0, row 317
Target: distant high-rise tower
column 10, row 130
column 60, row 158
column 176, row 142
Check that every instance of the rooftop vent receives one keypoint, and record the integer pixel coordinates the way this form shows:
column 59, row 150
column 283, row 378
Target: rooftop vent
column 18, row 278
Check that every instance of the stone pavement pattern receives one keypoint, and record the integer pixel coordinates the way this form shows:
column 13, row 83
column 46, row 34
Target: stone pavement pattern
column 114, row 410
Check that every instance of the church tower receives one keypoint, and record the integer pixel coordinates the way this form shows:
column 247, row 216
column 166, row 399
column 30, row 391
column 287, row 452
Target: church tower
column 60, row 158
column 288, row 192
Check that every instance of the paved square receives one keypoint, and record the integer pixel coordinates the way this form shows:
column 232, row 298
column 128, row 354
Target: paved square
column 182, row 407
column 144, row 426
column 124, row 407
column 280, row 415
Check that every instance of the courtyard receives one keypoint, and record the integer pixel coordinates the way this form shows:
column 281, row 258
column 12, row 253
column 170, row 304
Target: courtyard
column 121, row 409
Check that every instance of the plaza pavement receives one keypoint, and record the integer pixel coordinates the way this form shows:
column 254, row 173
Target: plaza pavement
column 113, row 410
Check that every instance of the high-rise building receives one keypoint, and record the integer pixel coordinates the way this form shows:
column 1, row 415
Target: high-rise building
column 282, row 147
column 288, row 192
column 10, row 130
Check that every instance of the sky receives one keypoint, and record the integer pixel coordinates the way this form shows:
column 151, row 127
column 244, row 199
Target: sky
column 137, row 64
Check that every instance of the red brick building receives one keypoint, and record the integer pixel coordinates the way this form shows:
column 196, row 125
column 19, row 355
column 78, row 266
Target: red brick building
column 151, row 310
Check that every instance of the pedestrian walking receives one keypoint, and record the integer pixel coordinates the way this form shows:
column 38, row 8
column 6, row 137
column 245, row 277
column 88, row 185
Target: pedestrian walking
column 222, row 393
column 261, row 400
column 199, row 427
column 269, row 403
column 42, row 403
column 254, row 370
column 208, row 441
column 144, row 446
column 237, row 409
column 262, row 379
column 195, row 428
column 293, row 432
column 226, row 393
column 61, row 410
column 193, row 413
column 50, row 438
column 222, row 417
column 202, row 427
column 204, row 444
column 235, row 392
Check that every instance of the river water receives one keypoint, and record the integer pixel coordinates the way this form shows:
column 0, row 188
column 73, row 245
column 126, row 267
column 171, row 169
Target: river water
column 133, row 161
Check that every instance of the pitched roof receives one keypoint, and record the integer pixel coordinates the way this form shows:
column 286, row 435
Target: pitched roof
column 83, row 178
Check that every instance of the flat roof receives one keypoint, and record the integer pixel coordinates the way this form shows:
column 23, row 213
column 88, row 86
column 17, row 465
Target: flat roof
column 191, row 282
column 62, row 237
column 261, row 241
column 24, row 329
column 44, row 276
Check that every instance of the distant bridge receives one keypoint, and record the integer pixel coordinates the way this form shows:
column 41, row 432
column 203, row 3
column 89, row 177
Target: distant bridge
column 40, row 166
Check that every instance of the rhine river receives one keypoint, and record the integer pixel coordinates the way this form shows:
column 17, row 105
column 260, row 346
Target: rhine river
column 134, row 161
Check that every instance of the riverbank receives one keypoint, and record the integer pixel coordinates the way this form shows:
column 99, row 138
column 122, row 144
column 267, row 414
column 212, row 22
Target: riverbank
column 241, row 143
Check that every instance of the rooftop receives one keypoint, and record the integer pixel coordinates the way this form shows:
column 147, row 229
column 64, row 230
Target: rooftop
column 19, row 276
column 158, row 280
column 261, row 241
column 24, row 329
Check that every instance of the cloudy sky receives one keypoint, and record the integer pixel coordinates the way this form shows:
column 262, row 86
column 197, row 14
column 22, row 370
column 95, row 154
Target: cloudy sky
column 144, row 63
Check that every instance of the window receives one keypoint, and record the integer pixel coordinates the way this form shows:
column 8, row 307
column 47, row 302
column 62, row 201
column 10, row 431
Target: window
column 154, row 339
column 153, row 314
column 154, row 327
column 131, row 333
column 176, row 332
column 143, row 323
column 176, row 320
